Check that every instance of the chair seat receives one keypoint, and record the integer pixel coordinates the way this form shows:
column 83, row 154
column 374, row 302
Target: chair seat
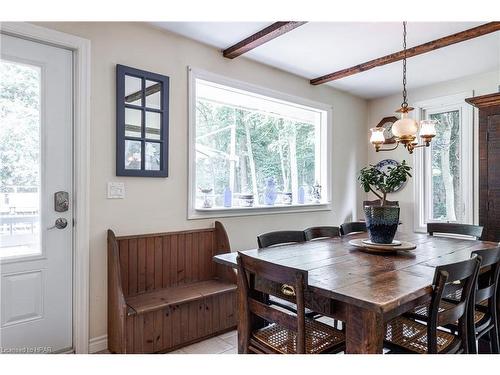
column 320, row 338
column 481, row 317
column 411, row 336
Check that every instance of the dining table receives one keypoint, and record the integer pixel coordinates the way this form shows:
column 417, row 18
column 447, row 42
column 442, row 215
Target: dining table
column 364, row 290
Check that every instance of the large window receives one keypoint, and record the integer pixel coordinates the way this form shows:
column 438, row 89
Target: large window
column 444, row 170
column 253, row 149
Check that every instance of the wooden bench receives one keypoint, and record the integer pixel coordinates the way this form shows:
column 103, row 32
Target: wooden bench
column 165, row 292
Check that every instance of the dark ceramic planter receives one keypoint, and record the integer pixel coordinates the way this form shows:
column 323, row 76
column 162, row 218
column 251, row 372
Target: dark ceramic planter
column 382, row 223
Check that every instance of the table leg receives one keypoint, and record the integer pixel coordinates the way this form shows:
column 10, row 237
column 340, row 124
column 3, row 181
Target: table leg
column 364, row 331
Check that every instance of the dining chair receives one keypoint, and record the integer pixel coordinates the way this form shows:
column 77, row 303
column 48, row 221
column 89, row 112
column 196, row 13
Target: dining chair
column 280, row 237
column 271, row 239
column 284, row 332
column 406, row 335
column 352, row 227
column 475, row 231
column 482, row 313
column 321, row 232
column 376, row 202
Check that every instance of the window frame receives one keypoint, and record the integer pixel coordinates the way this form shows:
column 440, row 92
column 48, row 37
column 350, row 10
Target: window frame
column 121, row 72
column 325, row 149
column 421, row 159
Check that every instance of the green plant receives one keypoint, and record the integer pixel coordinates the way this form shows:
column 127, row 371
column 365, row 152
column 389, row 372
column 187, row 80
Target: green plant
column 383, row 183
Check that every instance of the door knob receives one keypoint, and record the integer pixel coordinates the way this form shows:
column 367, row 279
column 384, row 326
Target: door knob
column 60, row 223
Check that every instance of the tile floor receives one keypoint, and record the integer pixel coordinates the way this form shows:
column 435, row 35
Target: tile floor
column 227, row 343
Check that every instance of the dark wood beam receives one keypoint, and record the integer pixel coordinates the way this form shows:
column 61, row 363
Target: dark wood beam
column 462, row 36
column 263, row 36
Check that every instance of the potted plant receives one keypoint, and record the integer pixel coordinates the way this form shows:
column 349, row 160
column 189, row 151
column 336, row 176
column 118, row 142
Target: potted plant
column 382, row 221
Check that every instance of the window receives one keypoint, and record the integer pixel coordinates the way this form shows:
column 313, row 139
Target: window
column 253, row 149
column 444, row 182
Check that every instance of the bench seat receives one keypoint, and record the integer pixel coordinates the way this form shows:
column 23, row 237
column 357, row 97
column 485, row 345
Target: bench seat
column 165, row 291
column 159, row 299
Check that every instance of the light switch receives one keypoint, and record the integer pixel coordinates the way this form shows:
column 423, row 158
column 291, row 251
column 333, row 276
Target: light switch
column 116, row 190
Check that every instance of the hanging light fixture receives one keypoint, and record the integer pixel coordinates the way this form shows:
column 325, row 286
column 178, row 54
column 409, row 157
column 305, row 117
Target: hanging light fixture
column 405, row 129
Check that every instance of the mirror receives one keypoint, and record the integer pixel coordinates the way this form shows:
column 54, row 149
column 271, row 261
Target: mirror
column 141, row 123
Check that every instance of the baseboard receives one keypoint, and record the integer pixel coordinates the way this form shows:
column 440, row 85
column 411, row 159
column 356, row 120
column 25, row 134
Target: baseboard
column 98, row 344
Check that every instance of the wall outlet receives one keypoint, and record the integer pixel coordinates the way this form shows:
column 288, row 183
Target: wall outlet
column 116, row 190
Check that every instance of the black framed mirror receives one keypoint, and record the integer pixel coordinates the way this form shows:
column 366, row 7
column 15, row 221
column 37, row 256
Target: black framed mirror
column 142, row 114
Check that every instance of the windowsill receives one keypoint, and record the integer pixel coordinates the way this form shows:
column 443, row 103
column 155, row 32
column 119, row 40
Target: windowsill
column 214, row 212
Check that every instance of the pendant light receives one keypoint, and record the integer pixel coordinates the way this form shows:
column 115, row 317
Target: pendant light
column 405, row 129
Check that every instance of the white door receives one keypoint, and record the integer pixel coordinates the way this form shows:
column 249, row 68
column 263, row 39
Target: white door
column 36, row 256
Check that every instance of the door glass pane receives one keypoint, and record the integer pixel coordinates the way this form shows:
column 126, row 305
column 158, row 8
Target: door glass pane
column 153, row 94
column 133, row 90
column 132, row 154
column 446, row 196
column 19, row 159
column 152, row 162
column 153, row 124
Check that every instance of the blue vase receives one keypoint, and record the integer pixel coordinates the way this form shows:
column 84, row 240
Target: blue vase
column 228, row 197
column 301, row 196
column 382, row 223
column 270, row 193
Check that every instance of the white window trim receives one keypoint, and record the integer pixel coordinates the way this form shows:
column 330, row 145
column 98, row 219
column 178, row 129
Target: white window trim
column 326, row 150
column 421, row 180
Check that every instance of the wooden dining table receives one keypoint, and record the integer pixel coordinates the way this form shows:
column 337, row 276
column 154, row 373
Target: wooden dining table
column 364, row 290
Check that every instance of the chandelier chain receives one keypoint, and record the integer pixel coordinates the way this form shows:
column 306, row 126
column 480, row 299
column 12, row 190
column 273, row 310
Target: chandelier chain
column 405, row 102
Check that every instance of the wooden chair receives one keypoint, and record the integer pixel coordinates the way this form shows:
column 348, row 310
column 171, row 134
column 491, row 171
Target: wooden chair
column 406, row 335
column 376, row 202
column 283, row 332
column 482, row 314
column 280, row 238
column 352, row 227
column 475, row 231
column 321, row 232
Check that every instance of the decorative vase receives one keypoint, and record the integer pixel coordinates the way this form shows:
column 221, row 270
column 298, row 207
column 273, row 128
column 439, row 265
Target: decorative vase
column 287, row 198
column 228, row 197
column 207, row 199
column 301, row 196
column 270, row 193
column 316, row 193
column 382, row 223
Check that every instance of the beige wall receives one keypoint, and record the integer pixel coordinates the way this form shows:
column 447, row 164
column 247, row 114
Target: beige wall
column 153, row 204
column 379, row 108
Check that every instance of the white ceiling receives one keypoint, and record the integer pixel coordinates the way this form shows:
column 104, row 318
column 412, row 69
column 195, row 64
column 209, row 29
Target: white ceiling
column 319, row 48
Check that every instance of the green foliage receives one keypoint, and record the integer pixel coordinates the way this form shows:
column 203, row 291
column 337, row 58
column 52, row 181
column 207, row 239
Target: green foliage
column 19, row 128
column 382, row 183
column 260, row 138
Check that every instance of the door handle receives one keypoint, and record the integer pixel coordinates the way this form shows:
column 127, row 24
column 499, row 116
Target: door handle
column 60, row 223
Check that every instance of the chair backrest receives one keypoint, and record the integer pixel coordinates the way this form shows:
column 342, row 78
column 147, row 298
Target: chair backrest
column 376, row 202
column 487, row 284
column 280, row 237
column 293, row 281
column 447, row 277
column 354, row 226
column 452, row 228
column 321, row 232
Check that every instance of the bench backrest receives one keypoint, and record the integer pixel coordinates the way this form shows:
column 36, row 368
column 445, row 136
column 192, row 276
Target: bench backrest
column 156, row 261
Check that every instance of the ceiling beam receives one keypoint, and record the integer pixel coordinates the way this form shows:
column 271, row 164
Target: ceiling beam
column 263, row 36
column 462, row 36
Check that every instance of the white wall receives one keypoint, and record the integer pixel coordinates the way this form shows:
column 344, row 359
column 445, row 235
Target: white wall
column 481, row 84
column 160, row 204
